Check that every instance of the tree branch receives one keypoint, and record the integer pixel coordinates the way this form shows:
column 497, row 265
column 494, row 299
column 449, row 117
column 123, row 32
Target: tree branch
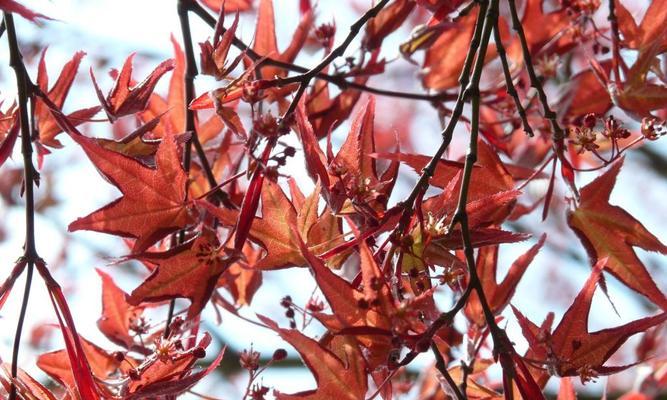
column 30, row 255
column 337, row 80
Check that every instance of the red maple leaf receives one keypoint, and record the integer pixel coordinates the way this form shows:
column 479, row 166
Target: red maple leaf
column 609, row 232
column 154, row 201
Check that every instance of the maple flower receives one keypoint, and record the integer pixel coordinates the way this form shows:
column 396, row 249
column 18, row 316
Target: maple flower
column 587, row 374
column 584, row 138
column 249, row 359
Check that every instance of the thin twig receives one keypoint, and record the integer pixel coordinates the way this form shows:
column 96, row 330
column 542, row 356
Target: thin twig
column 442, row 367
column 30, row 255
column 557, row 132
column 511, row 89
column 338, row 80
column 304, row 79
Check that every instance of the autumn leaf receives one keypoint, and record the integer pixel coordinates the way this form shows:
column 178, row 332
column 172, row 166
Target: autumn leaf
column 444, row 58
column 202, row 260
column 102, row 364
column 338, row 376
column 46, row 125
column 266, row 43
column 118, row 314
column 171, row 110
column 27, row 387
column 124, row 99
column 174, row 374
column 154, row 199
column 350, row 179
column 609, row 232
column 387, row 21
column 272, row 231
column 571, row 350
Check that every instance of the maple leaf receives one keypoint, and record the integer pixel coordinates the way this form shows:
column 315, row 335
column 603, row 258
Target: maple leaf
column 638, row 94
column 445, row 57
column 102, row 363
column 272, row 231
column 338, row 376
column 174, row 105
column 489, row 175
column 571, row 350
column 266, row 44
column 46, row 124
column 26, row 386
column 154, row 201
column 172, row 375
column 350, row 179
column 123, row 99
column 213, row 56
column 609, row 232
column 388, row 20
column 649, row 30
column 200, row 260
column 118, row 314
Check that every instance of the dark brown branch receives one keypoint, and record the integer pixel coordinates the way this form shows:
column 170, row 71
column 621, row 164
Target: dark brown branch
column 337, row 80
column 442, row 367
column 30, row 255
column 448, row 132
column 509, row 82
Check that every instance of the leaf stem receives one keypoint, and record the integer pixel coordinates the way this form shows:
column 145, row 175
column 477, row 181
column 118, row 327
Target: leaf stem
column 442, row 367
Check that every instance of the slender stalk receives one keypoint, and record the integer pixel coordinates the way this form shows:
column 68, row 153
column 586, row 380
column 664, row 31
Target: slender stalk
column 615, row 38
column 448, row 132
column 337, row 80
column 509, row 82
column 190, row 123
column 442, row 367
column 305, row 78
column 557, row 132
column 30, row 255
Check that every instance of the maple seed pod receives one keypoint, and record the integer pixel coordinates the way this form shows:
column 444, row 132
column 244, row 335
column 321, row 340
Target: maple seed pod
column 279, row 355
column 590, row 120
column 199, row 352
column 290, row 151
column 286, row 301
column 119, row 356
column 289, row 313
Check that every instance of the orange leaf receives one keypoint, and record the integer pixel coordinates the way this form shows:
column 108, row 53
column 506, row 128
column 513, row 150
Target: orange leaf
column 200, row 260
column 46, row 125
column 273, row 230
column 117, row 313
column 154, row 200
column 123, row 99
column 571, row 349
column 338, row 376
column 609, row 232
